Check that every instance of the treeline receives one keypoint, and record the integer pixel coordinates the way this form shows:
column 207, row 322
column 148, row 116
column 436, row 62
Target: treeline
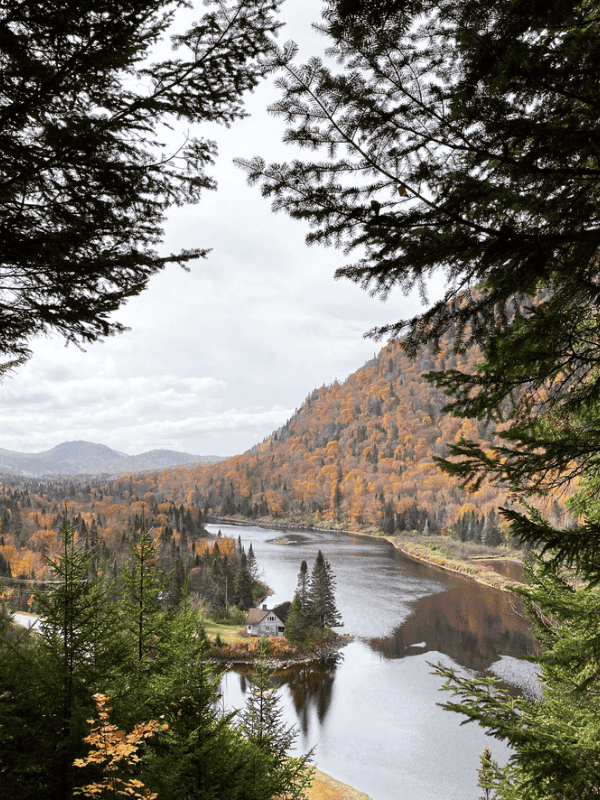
column 225, row 575
column 104, row 516
column 114, row 652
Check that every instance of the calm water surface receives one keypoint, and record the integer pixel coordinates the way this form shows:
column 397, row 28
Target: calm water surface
column 372, row 716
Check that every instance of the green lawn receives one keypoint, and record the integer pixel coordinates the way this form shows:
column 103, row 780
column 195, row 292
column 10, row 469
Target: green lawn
column 229, row 633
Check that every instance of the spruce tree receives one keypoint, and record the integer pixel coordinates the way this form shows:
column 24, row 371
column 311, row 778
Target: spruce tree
column 142, row 585
column 242, row 584
column 457, row 137
column 554, row 737
column 263, row 726
column 252, row 564
column 86, row 179
column 50, row 677
column 303, row 591
column 196, row 756
column 296, row 624
column 323, row 610
column 460, row 139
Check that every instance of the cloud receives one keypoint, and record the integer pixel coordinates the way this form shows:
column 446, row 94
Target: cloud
column 217, row 357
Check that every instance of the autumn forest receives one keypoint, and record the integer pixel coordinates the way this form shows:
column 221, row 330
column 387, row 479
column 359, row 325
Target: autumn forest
column 358, row 455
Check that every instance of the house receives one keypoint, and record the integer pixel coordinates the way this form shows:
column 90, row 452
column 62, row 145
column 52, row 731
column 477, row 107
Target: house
column 267, row 622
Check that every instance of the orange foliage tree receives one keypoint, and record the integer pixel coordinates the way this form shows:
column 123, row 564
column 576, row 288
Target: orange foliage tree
column 117, row 755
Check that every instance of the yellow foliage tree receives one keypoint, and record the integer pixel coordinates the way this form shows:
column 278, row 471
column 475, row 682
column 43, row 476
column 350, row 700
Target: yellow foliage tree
column 116, row 753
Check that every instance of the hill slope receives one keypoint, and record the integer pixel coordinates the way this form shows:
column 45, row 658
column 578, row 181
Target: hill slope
column 358, row 453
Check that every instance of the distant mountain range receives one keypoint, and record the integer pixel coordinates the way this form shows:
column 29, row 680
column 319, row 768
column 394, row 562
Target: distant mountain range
column 87, row 458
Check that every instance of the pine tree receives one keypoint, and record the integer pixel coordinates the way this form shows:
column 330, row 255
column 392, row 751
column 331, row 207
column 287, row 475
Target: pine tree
column 323, row 610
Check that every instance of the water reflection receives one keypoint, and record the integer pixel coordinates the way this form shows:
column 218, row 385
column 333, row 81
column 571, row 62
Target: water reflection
column 472, row 624
column 508, row 567
column 310, row 688
column 373, row 715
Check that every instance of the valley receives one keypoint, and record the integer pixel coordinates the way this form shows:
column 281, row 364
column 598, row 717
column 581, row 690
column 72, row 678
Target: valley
column 358, row 456
column 353, row 471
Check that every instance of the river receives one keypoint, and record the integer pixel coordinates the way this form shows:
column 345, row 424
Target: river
column 373, row 717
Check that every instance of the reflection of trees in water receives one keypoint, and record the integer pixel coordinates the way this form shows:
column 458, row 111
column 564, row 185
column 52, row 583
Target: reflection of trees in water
column 243, row 683
column 505, row 566
column 311, row 687
column 470, row 623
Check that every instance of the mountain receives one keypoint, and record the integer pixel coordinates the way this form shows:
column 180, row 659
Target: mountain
column 358, row 453
column 88, row 458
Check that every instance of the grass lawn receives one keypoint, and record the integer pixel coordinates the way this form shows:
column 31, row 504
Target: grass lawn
column 230, row 634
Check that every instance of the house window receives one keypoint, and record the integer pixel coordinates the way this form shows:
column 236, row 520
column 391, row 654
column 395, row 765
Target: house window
column 271, row 618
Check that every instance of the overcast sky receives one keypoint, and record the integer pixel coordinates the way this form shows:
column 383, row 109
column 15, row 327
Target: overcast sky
column 218, row 358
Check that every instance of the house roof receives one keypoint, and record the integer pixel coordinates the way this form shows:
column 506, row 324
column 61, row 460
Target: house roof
column 282, row 611
column 255, row 615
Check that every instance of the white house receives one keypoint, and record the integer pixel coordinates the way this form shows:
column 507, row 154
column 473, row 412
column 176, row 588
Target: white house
column 267, row 622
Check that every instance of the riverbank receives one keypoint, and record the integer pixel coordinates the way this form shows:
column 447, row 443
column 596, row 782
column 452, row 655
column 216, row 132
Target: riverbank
column 324, row 787
column 282, row 655
column 434, row 556
column 440, row 552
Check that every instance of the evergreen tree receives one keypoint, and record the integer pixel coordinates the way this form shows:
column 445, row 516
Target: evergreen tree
column 262, row 724
column 49, row 678
column 303, row 592
column 4, row 567
column 86, row 179
column 30, row 737
column 252, row 564
column 488, row 772
column 388, row 524
column 458, row 136
column 91, row 641
column 242, row 585
column 461, row 137
column 200, row 756
column 296, row 624
column 555, row 739
column 142, row 585
column 323, row 610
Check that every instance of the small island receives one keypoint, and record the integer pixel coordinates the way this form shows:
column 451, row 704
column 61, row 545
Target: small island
column 290, row 632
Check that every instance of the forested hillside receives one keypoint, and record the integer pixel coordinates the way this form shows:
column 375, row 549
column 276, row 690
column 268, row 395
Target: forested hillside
column 358, row 453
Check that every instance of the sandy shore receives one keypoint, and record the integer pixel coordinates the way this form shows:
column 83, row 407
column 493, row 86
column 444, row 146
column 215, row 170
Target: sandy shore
column 324, row 787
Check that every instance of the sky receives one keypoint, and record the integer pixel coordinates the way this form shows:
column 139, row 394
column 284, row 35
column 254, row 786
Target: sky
column 217, row 358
